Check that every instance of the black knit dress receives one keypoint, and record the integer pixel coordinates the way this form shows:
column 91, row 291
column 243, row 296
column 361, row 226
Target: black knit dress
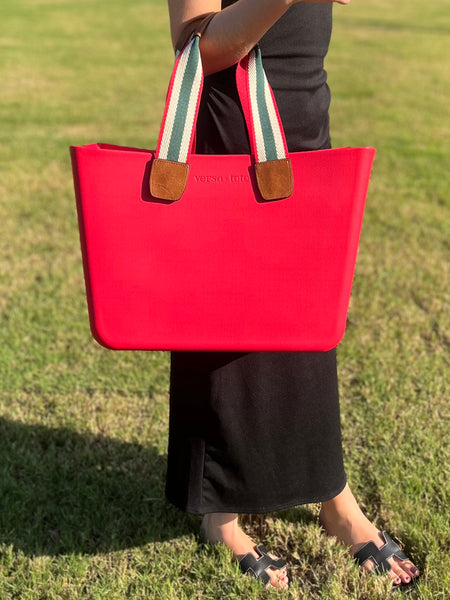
column 257, row 432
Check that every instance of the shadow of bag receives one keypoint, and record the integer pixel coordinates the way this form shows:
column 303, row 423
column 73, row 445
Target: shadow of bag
column 205, row 252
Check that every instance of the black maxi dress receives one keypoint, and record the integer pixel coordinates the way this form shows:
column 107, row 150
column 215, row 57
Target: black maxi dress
column 257, row 432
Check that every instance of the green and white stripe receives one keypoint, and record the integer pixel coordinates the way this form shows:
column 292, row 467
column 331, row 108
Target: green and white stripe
column 180, row 115
column 268, row 136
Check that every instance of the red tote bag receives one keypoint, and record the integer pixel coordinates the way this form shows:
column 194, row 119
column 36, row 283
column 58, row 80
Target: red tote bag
column 233, row 253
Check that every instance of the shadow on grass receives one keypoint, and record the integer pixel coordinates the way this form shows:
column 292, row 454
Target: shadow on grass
column 65, row 492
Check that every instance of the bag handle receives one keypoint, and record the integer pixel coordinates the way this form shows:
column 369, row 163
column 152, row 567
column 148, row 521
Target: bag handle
column 273, row 168
column 170, row 167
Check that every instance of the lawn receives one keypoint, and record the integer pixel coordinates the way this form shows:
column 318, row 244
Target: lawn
column 83, row 430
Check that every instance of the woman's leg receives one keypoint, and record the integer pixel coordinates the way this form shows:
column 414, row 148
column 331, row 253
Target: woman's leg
column 342, row 518
column 224, row 528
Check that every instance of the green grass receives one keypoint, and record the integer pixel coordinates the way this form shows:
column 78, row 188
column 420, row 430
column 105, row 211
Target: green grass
column 83, row 430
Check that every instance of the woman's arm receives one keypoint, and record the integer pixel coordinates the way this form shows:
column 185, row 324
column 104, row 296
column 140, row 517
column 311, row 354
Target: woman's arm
column 232, row 32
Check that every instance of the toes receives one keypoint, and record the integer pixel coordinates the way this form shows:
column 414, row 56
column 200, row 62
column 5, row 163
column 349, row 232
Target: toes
column 406, row 570
column 410, row 568
column 397, row 574
column 278, row 577
column 400, row 573
column 280, row 580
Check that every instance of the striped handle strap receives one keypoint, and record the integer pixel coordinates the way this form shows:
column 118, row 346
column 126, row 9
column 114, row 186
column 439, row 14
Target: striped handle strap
column 261, row 114
column 267, row 140
column 182, row 105
column 170, row 168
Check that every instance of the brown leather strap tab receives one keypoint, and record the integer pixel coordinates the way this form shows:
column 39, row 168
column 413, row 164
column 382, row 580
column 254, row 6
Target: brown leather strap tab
column 275, row 179
column 168, row 179
column 192, row 27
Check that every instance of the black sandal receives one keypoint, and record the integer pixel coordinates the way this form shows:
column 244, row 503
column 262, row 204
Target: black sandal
column 380, row 556
column 257, row 567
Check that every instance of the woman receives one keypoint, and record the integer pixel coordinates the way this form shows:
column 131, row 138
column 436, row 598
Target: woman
column 258, row 432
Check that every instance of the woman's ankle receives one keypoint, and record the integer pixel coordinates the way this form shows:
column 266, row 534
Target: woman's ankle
column 220, row 519
column 216, row 527
column 342, row 506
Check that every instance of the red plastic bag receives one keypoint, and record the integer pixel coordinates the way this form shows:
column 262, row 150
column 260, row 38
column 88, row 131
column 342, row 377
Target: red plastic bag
column 219, row 256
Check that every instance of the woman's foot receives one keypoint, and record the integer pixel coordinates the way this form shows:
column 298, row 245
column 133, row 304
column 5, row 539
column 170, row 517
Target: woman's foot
column 342, row 518
column 224, row 528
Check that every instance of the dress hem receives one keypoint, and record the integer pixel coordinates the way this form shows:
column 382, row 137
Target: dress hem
column 261, row 509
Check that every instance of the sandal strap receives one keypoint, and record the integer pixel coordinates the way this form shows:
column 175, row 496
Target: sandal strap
column 380, row 556
column 258, row 566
